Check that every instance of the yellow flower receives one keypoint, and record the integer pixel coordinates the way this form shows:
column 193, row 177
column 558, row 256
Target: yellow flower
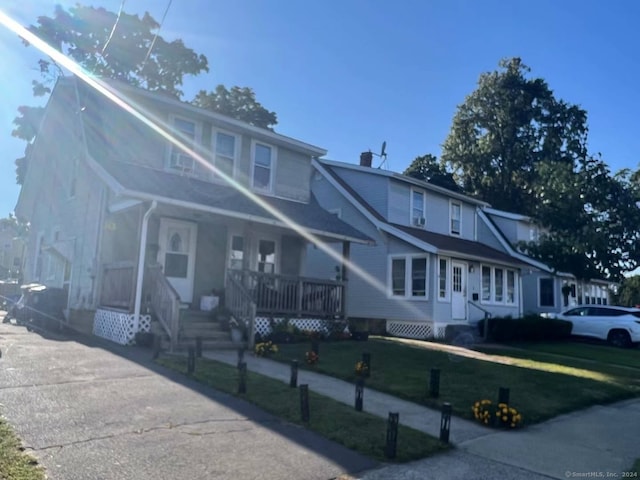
column 504, row 419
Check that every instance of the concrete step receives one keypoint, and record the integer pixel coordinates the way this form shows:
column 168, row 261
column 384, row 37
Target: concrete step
column 184, row 344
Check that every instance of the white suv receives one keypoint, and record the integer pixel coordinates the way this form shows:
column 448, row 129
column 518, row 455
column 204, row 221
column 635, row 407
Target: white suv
column 620, row 326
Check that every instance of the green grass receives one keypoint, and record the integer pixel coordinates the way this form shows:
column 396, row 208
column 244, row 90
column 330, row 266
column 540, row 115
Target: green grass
column 359, row 431
column 541, row 386
column 635, row 468
column 14, row 463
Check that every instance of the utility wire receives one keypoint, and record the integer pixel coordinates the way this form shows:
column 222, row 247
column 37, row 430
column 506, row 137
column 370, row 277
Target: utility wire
column 113, row 30
column 153, row 42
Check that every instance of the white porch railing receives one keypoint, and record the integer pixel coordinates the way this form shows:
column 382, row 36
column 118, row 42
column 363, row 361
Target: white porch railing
column 165, row 302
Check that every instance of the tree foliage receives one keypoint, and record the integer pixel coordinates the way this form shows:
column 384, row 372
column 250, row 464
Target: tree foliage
column 516, row 146
column 628, row 294
column 507, row 127
column 428, row 169
column 239, row 103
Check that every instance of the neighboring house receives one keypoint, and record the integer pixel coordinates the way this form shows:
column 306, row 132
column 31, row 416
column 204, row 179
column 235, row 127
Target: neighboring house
column 434, row 262
column 11, row 250
column 545, row 291
column 127, row 221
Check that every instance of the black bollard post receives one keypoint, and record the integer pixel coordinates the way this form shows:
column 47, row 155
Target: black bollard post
column 359, row 393
column 198, row 347
column 304, row 402
column 445, row 422
column 366, row 359
column 392, row 435
column 242, row 378
column 293, row 382
column 191, row 361
column 434, row 383
column 315, row 346
column 157, row 345
column 503, row 395
column 240, row 356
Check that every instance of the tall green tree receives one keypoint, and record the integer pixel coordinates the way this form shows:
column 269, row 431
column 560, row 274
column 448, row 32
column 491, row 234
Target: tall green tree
column 628, row 293
column 507, row 127
column 239, row 103
column 428, row 169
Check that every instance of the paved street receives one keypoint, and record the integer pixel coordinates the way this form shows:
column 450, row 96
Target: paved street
column 91, row 413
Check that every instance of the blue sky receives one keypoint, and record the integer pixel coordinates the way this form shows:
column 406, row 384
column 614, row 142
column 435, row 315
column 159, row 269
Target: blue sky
column 347, row 75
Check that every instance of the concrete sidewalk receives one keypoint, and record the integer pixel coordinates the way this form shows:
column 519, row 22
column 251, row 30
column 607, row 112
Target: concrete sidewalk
column 601, row 439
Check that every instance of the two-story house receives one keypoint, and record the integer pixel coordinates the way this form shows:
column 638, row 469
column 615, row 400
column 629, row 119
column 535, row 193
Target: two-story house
column 139, row 202
column 544, row 290
column 435, row 262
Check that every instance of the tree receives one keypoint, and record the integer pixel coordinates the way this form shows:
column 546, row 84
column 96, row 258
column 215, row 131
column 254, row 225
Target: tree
column 428, row 168
column 629, row 292
column 507, row 127
column 239, row 103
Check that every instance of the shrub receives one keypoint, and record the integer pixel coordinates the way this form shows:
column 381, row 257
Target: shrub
column 527, row 328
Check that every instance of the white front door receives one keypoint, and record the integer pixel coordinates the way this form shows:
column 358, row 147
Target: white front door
column 458, row 291
column 177, row 255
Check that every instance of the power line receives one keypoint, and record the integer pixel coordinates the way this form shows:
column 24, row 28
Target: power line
column 113, row 30
column 153, row 42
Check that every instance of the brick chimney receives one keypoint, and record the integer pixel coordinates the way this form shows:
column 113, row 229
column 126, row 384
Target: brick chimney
column 365, row 159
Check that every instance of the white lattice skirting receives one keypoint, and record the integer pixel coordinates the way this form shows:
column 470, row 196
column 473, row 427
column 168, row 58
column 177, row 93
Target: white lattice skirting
column 418, row 330
column 119, row 326
column 263, row 325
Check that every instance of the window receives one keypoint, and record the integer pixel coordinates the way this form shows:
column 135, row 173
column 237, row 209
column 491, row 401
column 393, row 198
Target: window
column 417, row 208
column 498, row 285
column 267, row 256
column 225, row 152
column 455, row 218
column 486, row 284
column 262, row 166
column 236, row 252
column 187, row 133
column 546, row 292
column 409, row 277
column 442, row 279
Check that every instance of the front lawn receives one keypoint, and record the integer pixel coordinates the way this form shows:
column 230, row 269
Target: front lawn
column 540, row 387
column 359, row 431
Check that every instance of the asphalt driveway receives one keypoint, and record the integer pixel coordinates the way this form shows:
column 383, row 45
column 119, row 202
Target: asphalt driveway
column 91, row 410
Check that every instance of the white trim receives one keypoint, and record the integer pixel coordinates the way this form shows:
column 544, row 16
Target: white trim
column 505, row 286
column 451, row 205
column 272, row 166
column 123, row 204
column 336, row 211
column 509, row 215
column 408, row 272
column 447, row 283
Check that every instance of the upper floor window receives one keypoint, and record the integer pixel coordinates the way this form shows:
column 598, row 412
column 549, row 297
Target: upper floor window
column 417, row 208
column 263, row 165
column 187, row 132
column 456, row 217
column 225, row 148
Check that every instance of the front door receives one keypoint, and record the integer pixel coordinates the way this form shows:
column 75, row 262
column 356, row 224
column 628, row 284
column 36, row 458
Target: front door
column 177, row 255
column 458, row 291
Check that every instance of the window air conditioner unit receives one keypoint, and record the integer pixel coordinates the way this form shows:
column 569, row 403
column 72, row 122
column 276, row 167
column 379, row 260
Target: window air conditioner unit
column 183, row 161
column 419, row 221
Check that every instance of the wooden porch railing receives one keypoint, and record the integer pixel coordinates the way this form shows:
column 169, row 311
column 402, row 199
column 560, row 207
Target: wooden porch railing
column 291, row 295
column 165, row 302
column 239, row 301
column 118, row 286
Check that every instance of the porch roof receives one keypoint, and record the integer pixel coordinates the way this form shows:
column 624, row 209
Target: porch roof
column 147, row 183
column 466, row 248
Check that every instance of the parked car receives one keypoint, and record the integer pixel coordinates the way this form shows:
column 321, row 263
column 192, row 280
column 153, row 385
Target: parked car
column 39, row 306
column 620, row 326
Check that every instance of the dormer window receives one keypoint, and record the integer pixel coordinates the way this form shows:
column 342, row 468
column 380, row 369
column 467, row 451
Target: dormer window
column 417, row 209
column 186, row 131
column 263, row 166
column 225, row 148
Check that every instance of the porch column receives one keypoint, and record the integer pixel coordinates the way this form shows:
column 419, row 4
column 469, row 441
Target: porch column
column 346, row 254
column 142, row 252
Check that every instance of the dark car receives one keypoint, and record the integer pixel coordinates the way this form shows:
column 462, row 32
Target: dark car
column 39, row 306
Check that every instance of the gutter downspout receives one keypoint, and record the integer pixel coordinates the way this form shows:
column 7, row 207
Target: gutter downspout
column 141, row 257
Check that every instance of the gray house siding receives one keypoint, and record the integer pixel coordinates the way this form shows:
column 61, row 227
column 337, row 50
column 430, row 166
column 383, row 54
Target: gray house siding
column 374, row 189
column 292, row 176
column 486, row 236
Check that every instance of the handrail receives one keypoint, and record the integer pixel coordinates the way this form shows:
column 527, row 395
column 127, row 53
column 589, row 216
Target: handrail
column 241, row 304
column 487, row 316
column 165, row 302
